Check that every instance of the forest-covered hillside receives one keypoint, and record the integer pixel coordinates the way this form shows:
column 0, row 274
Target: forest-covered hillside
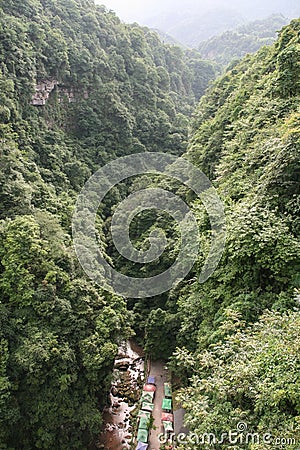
column 238, row 334
column 191, row 22
column 78, row 88
column 245, row 39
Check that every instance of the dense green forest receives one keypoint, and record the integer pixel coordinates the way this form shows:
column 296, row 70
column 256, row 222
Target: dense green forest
column 78, row 89
column 245, row 39
column 238, row 334
column 234, row 340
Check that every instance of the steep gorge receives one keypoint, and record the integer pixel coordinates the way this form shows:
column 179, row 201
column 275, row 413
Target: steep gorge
column 79, row 88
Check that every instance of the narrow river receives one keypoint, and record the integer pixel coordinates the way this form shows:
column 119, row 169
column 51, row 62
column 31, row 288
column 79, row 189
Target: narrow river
column 124, row 394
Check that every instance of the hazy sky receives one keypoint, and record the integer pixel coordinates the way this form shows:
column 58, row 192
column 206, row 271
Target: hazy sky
column 137, row 10
column 131, row 10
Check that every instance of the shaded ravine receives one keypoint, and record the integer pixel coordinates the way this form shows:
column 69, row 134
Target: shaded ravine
column 124, row 394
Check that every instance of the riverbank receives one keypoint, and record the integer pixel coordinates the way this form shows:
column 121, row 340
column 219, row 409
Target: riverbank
column 118, row 417
column 124, row 394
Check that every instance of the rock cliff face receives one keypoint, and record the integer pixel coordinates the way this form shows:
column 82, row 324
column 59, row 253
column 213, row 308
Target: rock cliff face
column 44, row 89
column 42, row 92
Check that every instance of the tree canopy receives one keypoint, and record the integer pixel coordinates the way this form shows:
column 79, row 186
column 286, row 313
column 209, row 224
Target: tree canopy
column 79, row 88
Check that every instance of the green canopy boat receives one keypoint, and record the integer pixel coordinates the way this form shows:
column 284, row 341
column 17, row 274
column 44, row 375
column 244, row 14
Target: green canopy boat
column 167, row 404
column 144, row 423
column 146, row 406
column 147, row 397
column 168, row 426
column 142, row 436
column 145, row 414
column 168, row 390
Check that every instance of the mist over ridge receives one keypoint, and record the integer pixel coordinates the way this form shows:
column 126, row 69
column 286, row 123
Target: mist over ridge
column 194, row 21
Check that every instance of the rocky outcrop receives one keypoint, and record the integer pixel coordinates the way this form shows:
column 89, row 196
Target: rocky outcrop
column 44, row 88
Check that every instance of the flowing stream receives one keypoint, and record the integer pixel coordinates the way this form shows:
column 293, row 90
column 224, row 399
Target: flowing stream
column 128, row 377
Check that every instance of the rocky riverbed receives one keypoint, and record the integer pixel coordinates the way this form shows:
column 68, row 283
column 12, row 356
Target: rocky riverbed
column 124, row 394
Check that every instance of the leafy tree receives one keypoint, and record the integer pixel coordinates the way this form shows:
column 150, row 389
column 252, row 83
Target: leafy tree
column 250, row 377
column 109, row 94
